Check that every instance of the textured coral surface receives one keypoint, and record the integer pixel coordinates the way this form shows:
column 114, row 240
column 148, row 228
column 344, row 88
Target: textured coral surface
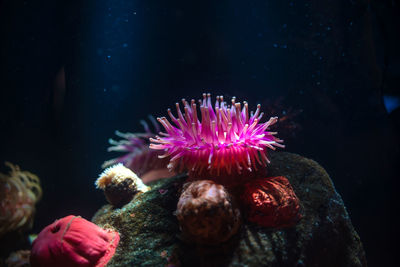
column 271, row 202
column 206, row 213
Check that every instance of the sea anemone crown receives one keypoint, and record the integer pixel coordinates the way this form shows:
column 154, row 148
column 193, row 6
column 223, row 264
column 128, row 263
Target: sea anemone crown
column 226, row 140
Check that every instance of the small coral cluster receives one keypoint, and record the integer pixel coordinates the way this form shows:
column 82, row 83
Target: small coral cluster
column 19, row 193
column 224, row 151
column 228, row 146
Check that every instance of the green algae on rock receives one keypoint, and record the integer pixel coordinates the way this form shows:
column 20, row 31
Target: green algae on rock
column 147, row 225
column 324, row 236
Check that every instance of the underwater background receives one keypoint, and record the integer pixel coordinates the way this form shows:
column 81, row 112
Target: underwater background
column 73, row 72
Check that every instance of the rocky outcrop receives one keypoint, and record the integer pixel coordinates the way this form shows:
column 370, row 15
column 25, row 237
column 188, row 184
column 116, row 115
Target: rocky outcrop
column 150, row 234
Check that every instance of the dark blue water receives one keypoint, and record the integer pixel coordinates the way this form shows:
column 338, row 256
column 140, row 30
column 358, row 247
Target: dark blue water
column 331, row 60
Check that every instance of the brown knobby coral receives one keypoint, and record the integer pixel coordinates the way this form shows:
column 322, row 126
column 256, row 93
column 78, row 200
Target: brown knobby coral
column 19, row 192
column 206, row 213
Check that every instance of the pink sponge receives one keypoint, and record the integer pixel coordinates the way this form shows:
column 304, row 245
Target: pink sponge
column 73, row 241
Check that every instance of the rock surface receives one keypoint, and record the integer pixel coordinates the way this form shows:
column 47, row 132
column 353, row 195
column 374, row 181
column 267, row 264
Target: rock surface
column 323, row 237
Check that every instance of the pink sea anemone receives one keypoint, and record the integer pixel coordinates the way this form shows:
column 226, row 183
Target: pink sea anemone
column 226, row 141
column 139, row 157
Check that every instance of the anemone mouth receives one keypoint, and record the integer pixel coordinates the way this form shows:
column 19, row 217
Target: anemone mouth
column 224, row 139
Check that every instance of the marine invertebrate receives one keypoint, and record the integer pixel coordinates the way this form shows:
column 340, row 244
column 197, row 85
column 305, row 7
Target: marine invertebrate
column 120, row 184
column 271, row 202
column 19, row 192
column 206, row 213
column 73, row 241
column 139, row 157
column 228, row 141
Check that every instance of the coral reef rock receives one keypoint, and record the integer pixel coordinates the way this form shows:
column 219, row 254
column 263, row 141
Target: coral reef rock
column 150, row 234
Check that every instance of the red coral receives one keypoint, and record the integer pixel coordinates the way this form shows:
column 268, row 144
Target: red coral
column 271, row 202
column 73, row 241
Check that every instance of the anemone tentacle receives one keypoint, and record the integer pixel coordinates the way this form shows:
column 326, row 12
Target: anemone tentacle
column 224, row 138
